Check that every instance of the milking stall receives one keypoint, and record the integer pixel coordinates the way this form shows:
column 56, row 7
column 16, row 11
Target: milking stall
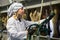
column 34, row 20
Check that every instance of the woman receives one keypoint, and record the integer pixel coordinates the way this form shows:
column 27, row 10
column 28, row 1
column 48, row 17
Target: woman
column 16, row 26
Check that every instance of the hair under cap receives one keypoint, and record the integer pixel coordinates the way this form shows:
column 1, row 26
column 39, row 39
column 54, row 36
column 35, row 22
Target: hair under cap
column 14, row 8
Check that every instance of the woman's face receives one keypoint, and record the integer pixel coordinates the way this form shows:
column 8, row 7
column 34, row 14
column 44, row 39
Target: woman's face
column 20, row 11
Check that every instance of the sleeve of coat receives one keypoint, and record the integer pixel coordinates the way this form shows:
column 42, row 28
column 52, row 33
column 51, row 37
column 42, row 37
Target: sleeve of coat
column 28, row 23
column 13, row 32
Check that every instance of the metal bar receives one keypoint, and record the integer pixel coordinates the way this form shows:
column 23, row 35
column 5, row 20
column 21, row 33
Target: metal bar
column 47, row 37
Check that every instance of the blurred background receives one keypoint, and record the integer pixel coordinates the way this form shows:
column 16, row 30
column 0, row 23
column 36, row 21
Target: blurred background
column 31, row 6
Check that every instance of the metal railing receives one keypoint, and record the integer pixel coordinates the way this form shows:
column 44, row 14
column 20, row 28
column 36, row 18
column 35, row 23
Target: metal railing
column 3, row 36
column 35, row 37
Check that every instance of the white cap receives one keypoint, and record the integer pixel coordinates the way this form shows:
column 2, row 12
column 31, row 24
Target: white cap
column 14, row 8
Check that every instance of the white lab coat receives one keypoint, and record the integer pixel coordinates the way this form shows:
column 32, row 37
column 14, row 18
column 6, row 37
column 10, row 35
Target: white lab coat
column 17, row 30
